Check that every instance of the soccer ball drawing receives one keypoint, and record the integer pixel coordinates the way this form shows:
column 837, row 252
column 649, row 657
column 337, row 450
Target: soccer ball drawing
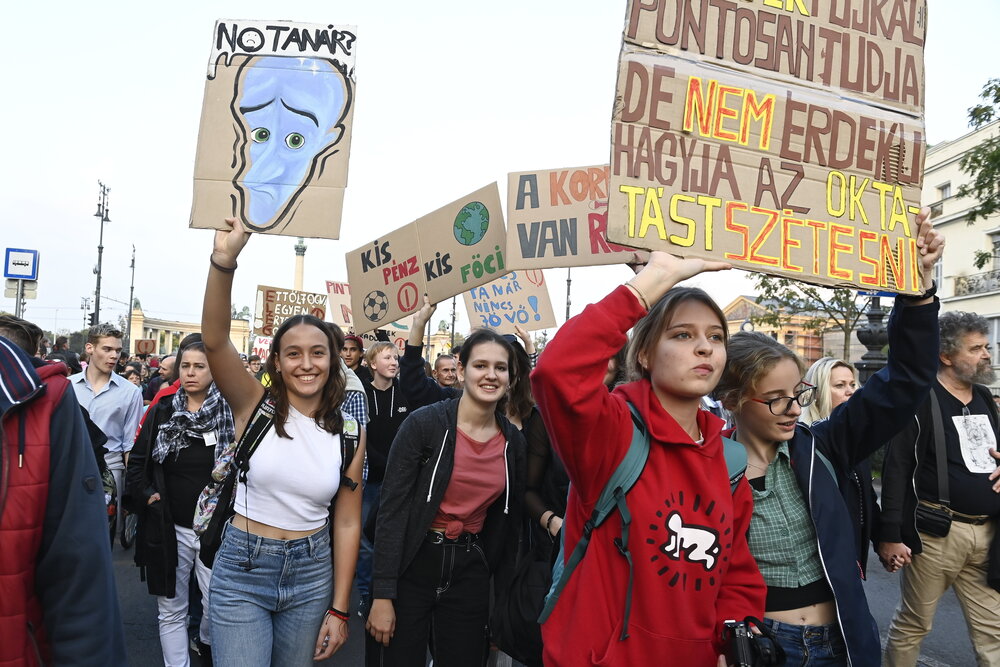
column 376, row 305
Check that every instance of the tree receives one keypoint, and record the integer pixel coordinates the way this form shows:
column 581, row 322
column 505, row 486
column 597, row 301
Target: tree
column 823, row 307
column 982, row 163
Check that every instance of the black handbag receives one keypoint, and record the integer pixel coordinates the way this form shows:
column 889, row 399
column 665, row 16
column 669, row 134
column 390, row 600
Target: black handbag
column 935, row 518
column 217, row 498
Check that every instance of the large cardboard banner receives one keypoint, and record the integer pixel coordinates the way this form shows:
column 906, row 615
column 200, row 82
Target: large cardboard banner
column 784, row 136
column 559, row 217
column 276, row 127
column 274, row 305
column 444, row 253
column 342, row 313
column 518, row 298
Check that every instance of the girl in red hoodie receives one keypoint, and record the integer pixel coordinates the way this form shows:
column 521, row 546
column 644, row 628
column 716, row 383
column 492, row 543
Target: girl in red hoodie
column 692, row 568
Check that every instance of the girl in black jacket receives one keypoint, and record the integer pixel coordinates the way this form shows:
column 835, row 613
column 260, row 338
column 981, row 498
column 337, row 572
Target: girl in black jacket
column 169, row 466
column 448, row 518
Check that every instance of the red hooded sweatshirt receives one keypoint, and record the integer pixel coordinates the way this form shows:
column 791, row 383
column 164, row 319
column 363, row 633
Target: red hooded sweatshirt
column 692, row 567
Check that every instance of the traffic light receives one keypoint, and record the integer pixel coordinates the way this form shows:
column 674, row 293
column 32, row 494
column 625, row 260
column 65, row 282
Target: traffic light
column 92, row 319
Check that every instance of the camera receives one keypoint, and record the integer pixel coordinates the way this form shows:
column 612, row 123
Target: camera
column 744, row 648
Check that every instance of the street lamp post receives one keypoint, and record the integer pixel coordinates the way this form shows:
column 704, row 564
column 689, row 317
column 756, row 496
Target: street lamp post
column 131, row 296
column 102, row 215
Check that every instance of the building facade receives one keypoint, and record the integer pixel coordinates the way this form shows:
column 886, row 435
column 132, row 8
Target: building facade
column 962, row 286
column 168, row 334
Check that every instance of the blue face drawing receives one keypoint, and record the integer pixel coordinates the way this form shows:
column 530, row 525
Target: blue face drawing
column 291, row 110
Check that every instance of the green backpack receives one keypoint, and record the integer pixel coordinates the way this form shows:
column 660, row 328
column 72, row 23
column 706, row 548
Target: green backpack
column 612, row 498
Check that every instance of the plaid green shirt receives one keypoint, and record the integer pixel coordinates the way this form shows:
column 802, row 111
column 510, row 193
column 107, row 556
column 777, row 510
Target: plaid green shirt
column 782, row 538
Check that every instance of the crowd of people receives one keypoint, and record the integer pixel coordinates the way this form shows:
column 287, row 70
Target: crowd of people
column 668, row 484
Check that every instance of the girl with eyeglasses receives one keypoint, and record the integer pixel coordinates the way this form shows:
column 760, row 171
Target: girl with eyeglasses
column 802, row 533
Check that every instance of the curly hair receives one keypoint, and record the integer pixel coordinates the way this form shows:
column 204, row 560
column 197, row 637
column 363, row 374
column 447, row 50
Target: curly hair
column 328, row 417
column 956, row 325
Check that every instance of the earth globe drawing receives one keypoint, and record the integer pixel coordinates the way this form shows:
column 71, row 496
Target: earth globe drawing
column 471, row 223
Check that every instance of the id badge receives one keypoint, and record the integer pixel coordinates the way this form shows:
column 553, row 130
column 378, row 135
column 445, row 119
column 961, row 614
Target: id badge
column 210, row 438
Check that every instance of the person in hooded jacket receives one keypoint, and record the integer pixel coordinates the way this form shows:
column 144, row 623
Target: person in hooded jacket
column 448, row 518
column 664, row 596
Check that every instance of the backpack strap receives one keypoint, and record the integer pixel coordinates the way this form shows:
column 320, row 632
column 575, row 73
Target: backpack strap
column 736, row 461
column 258, row 426
column 611, row 498
column 350, row 437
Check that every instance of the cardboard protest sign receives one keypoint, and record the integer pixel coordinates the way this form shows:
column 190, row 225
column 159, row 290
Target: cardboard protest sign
column 782, row 136
column 261, row 346
column 144, row 345
column 457, row 247
column 276, row 127
column 520, row 297
column 274, row 305
column 342, row 313
column 559, row 217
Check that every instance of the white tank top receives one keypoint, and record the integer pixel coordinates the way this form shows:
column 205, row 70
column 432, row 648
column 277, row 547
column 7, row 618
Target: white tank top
column 291, row 481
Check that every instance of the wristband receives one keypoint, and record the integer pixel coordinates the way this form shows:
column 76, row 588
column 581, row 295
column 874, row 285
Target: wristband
column 548, row 523
column 336, row 613
column 220, row 267
column 926, row 295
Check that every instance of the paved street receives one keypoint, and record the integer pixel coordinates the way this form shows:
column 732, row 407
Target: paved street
column 947, row 646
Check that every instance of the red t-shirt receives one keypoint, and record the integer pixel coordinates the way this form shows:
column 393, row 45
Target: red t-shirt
column 477, row 479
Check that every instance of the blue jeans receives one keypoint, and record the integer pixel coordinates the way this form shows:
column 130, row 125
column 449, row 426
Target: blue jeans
column 369, row 501
column 820, row 645
column 271, row 614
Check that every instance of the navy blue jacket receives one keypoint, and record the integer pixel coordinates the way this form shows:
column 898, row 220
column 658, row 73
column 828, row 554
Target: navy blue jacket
column 854, row 430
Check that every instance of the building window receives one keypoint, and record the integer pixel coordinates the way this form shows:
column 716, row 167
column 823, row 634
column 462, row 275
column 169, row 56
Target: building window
column 995, row 245
column 944, row 190
column 995, row 339
column 790, row 340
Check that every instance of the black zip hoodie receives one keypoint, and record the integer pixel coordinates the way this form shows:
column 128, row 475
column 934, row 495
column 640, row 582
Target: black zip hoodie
column 417, row 475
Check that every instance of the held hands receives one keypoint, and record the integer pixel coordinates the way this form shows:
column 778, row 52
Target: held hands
column 382, row 621
column 332, row 635
column 894, row 555
column 229, row 243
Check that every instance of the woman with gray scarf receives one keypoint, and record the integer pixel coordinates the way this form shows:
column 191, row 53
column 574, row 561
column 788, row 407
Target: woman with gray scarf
column 169, row 466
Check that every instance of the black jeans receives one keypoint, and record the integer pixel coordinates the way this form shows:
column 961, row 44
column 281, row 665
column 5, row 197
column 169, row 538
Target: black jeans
column 443, row 600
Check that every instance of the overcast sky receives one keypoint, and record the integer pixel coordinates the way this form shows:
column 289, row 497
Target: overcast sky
column 451, row 95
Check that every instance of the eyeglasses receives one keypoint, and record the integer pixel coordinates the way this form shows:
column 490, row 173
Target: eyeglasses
column 781, row 405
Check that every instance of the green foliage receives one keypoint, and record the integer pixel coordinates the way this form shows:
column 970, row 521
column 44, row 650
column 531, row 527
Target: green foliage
column 982, row 162
column 821, row 307
column 981, row 258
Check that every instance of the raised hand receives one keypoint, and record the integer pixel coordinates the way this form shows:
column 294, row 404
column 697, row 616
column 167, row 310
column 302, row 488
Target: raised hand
column 930, row 244
column 229, row 243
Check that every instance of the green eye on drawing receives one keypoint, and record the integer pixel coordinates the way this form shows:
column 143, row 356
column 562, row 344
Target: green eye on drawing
column 295, row 140
column 260, row 135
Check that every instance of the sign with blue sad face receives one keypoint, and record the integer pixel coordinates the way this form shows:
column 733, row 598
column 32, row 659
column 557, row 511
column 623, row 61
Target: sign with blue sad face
column 276, row 128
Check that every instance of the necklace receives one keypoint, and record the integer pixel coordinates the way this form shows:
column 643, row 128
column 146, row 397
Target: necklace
column 751, row 465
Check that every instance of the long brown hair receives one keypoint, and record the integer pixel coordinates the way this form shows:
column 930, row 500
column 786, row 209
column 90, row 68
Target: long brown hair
column 328, row 417
column 648, row 330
